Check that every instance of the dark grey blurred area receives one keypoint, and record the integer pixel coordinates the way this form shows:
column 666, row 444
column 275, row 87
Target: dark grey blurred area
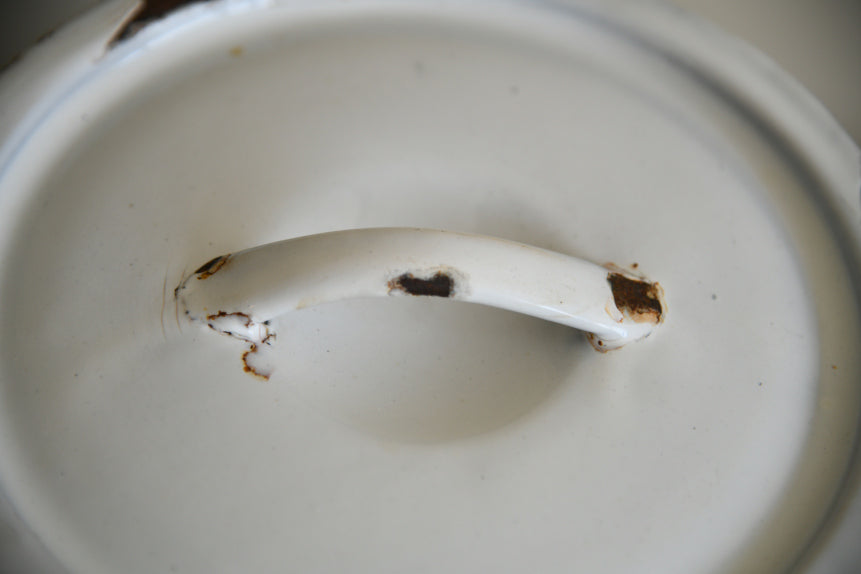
column 25, row 22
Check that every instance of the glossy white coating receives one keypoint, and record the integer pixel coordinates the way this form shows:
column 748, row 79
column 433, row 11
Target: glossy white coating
column 409, row 433
column 264, row 282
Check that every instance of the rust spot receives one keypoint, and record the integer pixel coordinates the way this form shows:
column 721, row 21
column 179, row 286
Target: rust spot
column 438, row 285
column 639, row 299
column 237, row 51
column 248, row 368
column 598, row 344
column 634, row 265
column 212, row 266
column 147, row 12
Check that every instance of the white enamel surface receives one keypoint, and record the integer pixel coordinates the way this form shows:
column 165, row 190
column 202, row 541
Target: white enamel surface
column 420, row 435
column 264, row 282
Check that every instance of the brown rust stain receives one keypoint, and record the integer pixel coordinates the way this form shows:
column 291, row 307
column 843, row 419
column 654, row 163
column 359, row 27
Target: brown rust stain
column 639, row 299
column 598, row 344
column 222, row 314
column 212, row 266
column 438, row 285
column 252, row 349
column 147, row 12
column 248, row 368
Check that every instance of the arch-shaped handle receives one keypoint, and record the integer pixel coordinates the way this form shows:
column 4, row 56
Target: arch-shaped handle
column 240, row 292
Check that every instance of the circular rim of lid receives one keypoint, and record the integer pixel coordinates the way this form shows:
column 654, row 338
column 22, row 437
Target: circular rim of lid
column 794, row 120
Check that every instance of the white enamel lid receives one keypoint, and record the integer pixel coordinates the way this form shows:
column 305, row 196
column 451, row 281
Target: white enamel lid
column 412, row 433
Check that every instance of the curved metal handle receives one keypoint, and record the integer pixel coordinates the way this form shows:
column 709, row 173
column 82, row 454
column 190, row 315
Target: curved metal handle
column 238, row 293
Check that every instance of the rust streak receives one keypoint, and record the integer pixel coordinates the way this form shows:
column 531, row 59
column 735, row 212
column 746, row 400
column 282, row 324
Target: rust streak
column 248, row 368
column 438, row 285
column 223, row 314
column 147, row 12
column 212, row 266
